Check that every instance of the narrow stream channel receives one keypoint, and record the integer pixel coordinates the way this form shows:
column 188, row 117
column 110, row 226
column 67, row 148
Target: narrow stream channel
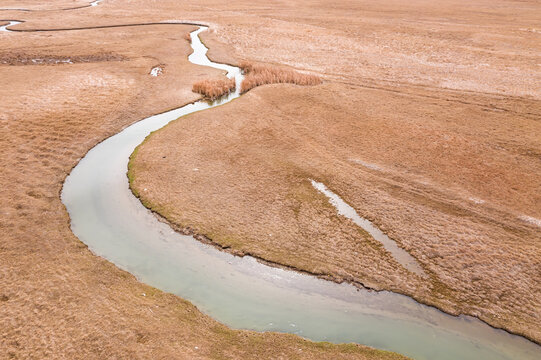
column 344, row 209
column 243, row 293
column 10, row 23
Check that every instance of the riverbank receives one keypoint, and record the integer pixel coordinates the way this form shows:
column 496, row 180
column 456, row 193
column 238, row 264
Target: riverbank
column 265, row 159
column 57, row 299
column 429, row 155
column 62, row 300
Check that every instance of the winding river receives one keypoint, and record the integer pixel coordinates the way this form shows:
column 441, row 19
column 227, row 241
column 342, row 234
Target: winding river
column 242, row 292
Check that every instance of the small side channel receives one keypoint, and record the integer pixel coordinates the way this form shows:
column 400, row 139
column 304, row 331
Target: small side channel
column 344, row 209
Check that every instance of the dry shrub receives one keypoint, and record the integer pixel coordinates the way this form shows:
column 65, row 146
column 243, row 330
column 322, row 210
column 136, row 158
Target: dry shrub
column 213, row 89
column 256, row 75
column 246, row 66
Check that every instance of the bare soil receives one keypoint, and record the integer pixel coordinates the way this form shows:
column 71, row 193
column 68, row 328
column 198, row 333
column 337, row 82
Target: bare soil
column 428, row 124
column 58, row 300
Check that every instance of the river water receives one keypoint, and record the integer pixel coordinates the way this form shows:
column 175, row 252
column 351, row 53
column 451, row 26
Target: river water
column 242, row 292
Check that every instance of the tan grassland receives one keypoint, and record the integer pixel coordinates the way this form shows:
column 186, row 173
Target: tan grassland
column 58, row 300
column 428, row 123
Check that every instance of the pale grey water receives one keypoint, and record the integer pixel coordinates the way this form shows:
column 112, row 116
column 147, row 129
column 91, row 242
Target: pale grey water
column 344, row 209
column 243, row 293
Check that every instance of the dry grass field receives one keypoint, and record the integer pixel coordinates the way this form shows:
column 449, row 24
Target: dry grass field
column 428, row 124
column 61, row 93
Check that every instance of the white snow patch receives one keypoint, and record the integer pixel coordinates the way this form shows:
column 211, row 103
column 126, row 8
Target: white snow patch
column 156, row 71
column 530, row 220
column 476, row 200
column 367, row 165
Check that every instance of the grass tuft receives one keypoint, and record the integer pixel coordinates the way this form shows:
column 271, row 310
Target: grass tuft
column 256, row 75
column 213, row 89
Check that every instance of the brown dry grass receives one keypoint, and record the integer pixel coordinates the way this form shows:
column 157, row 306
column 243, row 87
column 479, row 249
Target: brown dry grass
column 64, row 302
column 57, row 299
column 214, row 89
column 257, row 75
column 426, row 124
column 16, row 58
column 412, row 172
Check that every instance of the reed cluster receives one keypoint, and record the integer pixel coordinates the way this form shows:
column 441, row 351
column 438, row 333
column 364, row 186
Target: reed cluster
column 213, row 89
column 256, row 75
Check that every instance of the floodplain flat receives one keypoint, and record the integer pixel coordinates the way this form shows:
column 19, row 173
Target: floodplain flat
column 427, row 123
